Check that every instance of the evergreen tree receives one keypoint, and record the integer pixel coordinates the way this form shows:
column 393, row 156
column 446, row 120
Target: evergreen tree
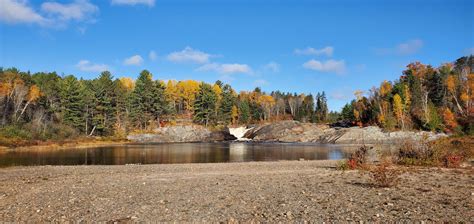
column 205, row 105
column 347, row 112
column 321, row 107
column 244, row 109
column 71, row 102
column 104, row 113
column 142, row 101
column 227, row 102
column 160, row 104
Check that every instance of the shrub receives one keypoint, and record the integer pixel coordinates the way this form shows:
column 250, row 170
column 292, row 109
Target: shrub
column 447, row 152
column 413, row 152
column 356, row 160
column 13, row 131
column 384, row 175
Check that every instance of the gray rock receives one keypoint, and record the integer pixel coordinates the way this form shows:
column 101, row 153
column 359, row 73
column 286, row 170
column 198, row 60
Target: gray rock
column 294, row 131
column 183, row 133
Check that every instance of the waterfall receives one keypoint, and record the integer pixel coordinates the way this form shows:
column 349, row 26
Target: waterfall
column 239, row 133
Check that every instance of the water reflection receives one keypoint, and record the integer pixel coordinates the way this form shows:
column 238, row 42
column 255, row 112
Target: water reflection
column 175, row 153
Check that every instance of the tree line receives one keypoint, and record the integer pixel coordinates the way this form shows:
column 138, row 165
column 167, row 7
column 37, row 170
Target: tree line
column 48, row 106
column 424, row 97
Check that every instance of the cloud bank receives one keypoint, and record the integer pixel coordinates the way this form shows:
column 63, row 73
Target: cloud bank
column 189, row 55
column 135, row 60
column 328, row 51
column 149, row 3
column 87, row 66
column 334, row 66
column 226, row 68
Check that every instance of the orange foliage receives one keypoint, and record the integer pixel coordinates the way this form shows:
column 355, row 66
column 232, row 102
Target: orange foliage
column 451, row 83
column 34, row 93
column 418, row 69
column 385, row 88
column 449, row 119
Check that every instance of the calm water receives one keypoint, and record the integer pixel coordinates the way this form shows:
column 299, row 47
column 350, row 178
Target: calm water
column 175, row 153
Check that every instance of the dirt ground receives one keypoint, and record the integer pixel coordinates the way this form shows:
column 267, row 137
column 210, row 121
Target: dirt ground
column 227, row 192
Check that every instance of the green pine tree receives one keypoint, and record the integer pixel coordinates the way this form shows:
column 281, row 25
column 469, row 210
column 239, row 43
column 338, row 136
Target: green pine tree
column 205, row 105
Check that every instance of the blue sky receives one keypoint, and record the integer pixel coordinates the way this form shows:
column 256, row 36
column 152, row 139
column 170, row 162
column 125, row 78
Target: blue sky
column 295, row 46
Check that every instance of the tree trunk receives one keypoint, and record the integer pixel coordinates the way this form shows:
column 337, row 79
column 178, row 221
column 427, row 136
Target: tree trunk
column 23, row 111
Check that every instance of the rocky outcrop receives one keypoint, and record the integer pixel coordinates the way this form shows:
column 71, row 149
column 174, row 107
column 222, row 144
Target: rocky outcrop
column 184, row 133
column 294, row 131
column 284, row 131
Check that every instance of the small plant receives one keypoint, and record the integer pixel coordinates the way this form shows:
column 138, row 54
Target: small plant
column 343, row 165
column 358, row 159
column 384, row 174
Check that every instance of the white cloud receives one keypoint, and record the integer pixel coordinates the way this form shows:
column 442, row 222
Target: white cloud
column 189, row 55
column 260, row 82
column 328, row 51
column 409, row 47
column 338, row 67
column 405, row 48
column 79, row 10
column 87, row 66
column 272, row 66
column 150, row 3
column 52, row 14
column 152, row 55
column 136, row 60
column 18, row 11
column 226, row 68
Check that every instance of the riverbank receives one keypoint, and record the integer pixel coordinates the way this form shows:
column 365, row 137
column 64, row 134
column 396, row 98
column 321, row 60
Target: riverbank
column 73, row 144
column 253, row 191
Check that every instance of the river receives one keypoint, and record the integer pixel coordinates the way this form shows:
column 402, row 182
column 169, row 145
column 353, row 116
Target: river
column 175, row 153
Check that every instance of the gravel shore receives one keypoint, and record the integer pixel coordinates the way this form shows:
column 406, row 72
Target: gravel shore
column 227, row 192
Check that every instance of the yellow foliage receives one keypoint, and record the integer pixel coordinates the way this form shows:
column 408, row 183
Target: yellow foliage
column 187, row 91
column 398, row 107
column 356, row 115
column 385, row 88
column 464, row 97
column 381, row 118
column 406, row 92
column 451, row 83
column 128, row 83
column 266, row 100
column 234, row 114
column 34, row 93
column 5, row 89
column 470, row 82
column 218, row 91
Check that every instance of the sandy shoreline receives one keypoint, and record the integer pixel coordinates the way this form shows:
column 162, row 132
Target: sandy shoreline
column 252, row 191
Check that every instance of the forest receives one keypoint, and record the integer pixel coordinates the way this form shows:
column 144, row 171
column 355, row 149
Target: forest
column 48, row 106
column 423, row 98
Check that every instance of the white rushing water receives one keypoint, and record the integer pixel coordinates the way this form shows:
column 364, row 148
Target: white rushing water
column 239, row 133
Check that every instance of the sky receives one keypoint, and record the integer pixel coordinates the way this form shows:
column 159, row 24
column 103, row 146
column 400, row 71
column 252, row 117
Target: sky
column 288, row 45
